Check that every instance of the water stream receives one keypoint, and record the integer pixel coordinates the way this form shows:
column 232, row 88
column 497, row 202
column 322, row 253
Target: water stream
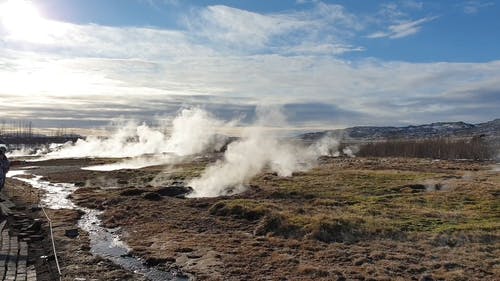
column 104, row 242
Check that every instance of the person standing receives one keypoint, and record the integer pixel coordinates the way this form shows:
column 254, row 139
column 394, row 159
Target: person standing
column 4, row 165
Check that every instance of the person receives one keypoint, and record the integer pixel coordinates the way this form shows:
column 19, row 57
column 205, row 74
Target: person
column 4, row 165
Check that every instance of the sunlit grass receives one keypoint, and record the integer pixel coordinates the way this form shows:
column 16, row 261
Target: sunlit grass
column 362, row 203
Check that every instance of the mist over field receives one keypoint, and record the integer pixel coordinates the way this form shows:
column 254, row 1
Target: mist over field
column 256, row 150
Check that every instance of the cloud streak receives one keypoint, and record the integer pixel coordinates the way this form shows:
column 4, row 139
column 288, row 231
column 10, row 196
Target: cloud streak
column 403, row 29
column 473, row 7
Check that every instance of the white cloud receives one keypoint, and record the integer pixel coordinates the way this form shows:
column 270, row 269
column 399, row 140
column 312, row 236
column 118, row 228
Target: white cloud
column 240, row 31
column 473, row 7
column 239, row 27
column 156, row 3
column 230, row 60
column 97, row 89
column 391, row 12
column 322, row 49
column 104, row 41
column 402, row 29
column 411, row 4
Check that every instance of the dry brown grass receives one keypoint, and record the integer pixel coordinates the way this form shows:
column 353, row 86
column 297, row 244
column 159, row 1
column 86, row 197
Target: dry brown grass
column 347, row 219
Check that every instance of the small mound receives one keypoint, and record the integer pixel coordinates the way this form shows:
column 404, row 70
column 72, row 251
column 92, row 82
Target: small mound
column 276, row 224
column 243, row 209
column 337, row 230
column 132, row 192
column 152, row 196
column 174, row 190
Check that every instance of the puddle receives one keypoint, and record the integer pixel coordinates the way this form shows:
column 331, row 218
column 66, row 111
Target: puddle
column 136, row 163
column 15, row 173
column 104, row 242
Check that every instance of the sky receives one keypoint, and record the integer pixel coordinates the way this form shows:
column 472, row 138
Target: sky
column 327, row 64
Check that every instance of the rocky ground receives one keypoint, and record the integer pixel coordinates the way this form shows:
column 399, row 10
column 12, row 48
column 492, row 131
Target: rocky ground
column 347, row 219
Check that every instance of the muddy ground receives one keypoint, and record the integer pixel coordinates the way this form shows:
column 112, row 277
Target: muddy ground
column 347, row 219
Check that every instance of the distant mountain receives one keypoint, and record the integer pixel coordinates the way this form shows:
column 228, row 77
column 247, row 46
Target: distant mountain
column 488, row 130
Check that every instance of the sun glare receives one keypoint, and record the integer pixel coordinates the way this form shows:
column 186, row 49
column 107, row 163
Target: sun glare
column 21, row 19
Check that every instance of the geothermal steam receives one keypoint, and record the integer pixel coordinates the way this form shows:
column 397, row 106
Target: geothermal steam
column 258, row 149
column 26, row 151
column 193, row 131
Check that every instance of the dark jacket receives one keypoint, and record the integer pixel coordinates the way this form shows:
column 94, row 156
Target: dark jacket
column 4, row 164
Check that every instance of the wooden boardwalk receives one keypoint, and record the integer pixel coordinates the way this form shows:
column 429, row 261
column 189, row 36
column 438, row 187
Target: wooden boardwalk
column 14, row 257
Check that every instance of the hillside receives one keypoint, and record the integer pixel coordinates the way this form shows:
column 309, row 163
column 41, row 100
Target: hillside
column 490, row 130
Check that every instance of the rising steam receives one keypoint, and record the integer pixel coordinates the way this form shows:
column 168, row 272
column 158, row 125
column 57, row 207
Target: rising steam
column 28, row 151
column 258, row 149
column 193, row 131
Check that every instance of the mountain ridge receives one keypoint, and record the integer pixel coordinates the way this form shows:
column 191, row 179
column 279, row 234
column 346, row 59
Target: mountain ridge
column 490, row 129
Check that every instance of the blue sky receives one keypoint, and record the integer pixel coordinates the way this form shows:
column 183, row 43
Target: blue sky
column 462, row 31
column 328, row 63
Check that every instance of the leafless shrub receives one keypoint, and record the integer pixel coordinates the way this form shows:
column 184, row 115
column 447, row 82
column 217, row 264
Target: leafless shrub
column 475, row 148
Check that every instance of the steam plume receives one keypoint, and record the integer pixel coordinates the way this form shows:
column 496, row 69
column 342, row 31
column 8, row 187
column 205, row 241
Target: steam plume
column 258, row 149
column 193, row 131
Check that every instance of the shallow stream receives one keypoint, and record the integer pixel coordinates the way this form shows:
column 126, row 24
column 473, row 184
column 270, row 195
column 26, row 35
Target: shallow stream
column 104, row 242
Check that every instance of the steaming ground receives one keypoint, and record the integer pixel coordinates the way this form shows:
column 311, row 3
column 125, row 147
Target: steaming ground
column 194, row 132
column 259, row 149
column 256, row 150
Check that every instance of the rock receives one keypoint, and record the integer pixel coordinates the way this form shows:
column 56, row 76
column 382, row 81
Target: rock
column 170, row 259
column 18, row 208
column 71, row 233
column 152, row 196
column 184, row 250
column 413, row 188
column 155, row 261
column 194, row 256
column 360, row 261
column 35, row 208
column 122, row 181
column 132, row 192
column 48, row 257
column 36, row 226
column 174, row 190
column 179, row 274
column 426, row 277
